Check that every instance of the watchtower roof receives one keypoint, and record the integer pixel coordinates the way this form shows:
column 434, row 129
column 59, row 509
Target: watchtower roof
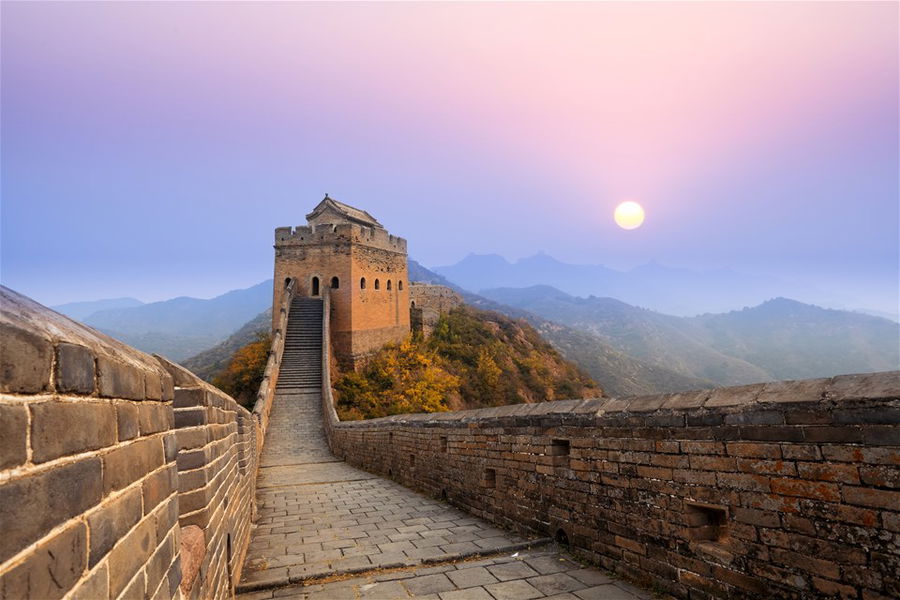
column 346, row 211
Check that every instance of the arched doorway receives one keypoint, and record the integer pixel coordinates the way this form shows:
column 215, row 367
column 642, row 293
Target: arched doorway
column 315, row 286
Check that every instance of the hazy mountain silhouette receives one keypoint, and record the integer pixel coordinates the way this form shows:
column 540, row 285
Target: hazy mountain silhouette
column 81, row 310
column 670, row 290
column 183, row 326
column 779, row 339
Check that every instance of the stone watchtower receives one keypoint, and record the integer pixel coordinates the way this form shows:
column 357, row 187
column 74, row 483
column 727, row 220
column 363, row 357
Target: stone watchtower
column 365, row 268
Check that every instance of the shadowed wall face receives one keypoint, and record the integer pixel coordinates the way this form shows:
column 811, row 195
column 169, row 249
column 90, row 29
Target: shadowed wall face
column 120, row 473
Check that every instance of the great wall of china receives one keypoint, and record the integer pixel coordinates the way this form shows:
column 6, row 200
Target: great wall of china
column 122, row 475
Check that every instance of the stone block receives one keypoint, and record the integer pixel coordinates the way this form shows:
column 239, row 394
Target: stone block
column 158, row 487
column 153, row 386
column 67, row 428
column 128, row 420
column 189, row 397
column 155, row 417
column 158, row 567
column 13, row 435
column 864, row 386
column 111, row 522
column 128, row 556
column 61, row 493
column 129, row 463
column 742, row 395
column 785, row 392
column 51, row 570
column 74, row 369
column 119, row 380
column 25, row 360
column 94, row 587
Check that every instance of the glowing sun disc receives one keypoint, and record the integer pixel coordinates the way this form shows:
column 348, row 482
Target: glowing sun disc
column 629, row 215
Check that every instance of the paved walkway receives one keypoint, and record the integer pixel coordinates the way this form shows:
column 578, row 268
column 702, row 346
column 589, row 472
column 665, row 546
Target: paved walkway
column 319, row 517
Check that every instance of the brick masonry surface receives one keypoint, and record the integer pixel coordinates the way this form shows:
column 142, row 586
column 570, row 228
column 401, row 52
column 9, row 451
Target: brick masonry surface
column 786, row 490
column 121, row 474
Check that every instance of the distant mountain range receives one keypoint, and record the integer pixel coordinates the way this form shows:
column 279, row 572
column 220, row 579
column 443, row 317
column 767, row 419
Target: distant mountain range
column 779, row 339
column 176, row 328
column 627, row 350
column 81, row 310
column 669, row 290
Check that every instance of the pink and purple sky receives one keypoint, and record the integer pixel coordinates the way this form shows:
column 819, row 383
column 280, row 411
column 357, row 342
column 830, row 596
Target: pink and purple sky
column 149, row 149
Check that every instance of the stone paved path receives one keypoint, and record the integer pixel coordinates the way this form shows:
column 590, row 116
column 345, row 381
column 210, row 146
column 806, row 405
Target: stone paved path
column 318, row 517
column 529, row 574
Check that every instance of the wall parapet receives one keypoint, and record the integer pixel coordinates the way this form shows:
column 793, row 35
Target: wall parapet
column 346, row 233
column 266, row 395
column 783, row 489
column 110, row 461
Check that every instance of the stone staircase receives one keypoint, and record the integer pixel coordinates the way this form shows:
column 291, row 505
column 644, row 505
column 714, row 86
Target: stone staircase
column 301, row 363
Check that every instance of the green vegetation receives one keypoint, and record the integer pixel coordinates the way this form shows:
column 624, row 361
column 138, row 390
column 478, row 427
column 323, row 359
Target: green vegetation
column 243, row 375
column 473, row 359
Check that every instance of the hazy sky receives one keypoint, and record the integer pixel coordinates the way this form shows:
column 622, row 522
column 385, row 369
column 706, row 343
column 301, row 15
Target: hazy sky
column 150, row 149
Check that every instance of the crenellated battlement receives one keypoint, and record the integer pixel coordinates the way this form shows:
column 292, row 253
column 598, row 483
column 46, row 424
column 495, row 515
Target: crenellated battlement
column 335, row 233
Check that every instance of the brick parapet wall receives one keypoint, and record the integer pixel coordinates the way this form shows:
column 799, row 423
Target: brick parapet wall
column 786, row 489
column 92, row 477
column 266, row 395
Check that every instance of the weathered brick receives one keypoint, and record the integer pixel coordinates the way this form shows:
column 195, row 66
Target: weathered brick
column 127, row 420
column 159, row 564
column 881, row 476
column 128, row 556
column 861, row 496
column 189, row 397
column 129, row 463
column 753, row 450
column 153, row 386
column 768, row 467
column 874, row 456
column 13, row 435
column 61, row 493
column 190, row 417
column 111, row 521
column 136, row 588
column 119, row 380
column 807, row 489
column 194, row 437
column 74, row 369
column 744, row 481
column 25, row 360
column 94, row 587
column 158, row 487
column 691, row 447
column 51, row 569
column 801, row 452
column 828, row 472
column 714, row 463
column 833, row 589
column 155, row 417
column 66, row 428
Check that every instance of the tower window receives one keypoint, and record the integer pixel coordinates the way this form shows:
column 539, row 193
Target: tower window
column 400, row 286
column 388, row 285
column 335, row 283
column 315, row 286
column 362, row 283
column 377, row 285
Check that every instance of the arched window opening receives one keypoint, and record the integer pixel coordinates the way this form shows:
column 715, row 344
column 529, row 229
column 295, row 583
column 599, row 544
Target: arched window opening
column 413, row 303
column 287, row 281
column 377, row 285
column 335, row 283
column 389, row 285
column 362, row 283
column 315, row 286
column 400, row 286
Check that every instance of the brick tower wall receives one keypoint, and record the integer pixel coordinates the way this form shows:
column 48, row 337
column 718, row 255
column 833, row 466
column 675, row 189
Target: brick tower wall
column 363, row 319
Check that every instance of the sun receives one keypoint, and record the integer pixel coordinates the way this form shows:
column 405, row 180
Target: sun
column 629, row 215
